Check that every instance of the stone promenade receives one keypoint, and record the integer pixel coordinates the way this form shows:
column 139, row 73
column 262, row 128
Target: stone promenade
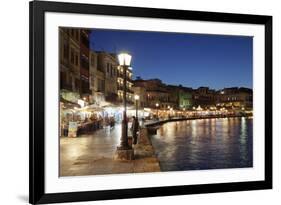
column 93, row 154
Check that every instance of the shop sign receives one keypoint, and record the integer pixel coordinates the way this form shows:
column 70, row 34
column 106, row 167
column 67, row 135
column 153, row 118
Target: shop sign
column 72, row 129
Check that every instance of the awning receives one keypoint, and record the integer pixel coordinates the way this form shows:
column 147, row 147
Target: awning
column 92, row 107
column 68, row 104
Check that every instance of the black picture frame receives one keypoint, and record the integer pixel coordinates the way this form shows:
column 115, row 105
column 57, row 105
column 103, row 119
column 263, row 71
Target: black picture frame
column 37, row 193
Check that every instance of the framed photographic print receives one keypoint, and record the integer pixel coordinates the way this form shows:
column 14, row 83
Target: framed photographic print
column 139, row 102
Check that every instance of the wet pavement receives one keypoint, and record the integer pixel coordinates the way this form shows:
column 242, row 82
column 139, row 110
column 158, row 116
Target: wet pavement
column 204, row 144
column 92, row 154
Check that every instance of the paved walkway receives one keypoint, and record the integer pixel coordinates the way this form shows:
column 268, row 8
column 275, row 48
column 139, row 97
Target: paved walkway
column 92, row 154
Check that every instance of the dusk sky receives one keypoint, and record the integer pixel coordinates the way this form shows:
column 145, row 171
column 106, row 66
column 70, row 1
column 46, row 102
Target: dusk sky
column 192, row 60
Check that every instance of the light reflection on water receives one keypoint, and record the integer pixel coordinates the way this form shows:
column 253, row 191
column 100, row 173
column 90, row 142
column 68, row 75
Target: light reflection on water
column 205, row 144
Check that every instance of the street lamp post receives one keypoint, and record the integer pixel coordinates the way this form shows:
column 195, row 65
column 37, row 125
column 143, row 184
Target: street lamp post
column 157, row 105
column 168, row 111
column 124, row 151
column 124, row 61
column 137, row 97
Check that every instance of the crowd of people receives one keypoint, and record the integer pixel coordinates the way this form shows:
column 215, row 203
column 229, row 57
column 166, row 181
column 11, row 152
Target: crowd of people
column 95, row 122
column 88, row 124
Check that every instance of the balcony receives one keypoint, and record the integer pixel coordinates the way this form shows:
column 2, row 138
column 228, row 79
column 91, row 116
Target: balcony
column 119, row 87
column 128, row 89
column 120, row 75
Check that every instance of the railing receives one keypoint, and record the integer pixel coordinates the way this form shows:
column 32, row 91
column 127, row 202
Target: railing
column 120, row 75
column 128, row 89
column 159, row 121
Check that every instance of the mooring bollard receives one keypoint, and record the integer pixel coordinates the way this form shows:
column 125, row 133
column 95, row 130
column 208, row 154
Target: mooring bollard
column 143, row 138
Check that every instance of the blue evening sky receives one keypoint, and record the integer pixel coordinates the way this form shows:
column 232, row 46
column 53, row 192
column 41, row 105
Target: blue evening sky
column 192, row 60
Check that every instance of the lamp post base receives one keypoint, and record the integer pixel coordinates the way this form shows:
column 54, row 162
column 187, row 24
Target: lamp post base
column 124, row 153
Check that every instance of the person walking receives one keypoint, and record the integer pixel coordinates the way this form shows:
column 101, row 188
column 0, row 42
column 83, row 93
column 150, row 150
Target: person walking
column 135, row 129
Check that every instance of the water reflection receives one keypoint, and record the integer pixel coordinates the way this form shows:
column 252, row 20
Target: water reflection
column 205, row 144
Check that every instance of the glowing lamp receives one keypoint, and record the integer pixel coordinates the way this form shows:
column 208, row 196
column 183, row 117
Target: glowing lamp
column 124, row 59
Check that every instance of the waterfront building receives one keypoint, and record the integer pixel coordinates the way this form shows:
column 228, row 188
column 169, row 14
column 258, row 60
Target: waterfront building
column 180, row 97
column 204, row 97
column 236, row 98
column 74, row 64
column 107, row 79
column 73, row 73
column 106, row 76
column 156, row 93
column 85, row 91
column 120, row 79
column 166, row 96
column 173, row 96
column 97, row 82
column 185, row 98
column 141, row 92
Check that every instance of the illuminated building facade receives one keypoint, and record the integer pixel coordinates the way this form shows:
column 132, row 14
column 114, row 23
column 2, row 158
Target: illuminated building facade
column 235, row 98
column 73, row 63
column 129, row 86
